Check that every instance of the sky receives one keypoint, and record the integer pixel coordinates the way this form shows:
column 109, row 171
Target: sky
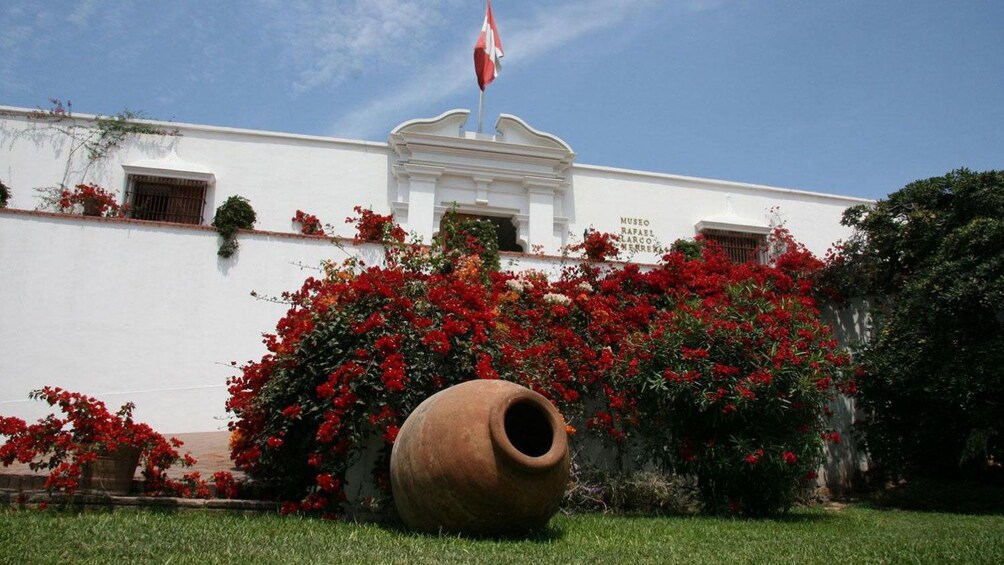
column 851, row 97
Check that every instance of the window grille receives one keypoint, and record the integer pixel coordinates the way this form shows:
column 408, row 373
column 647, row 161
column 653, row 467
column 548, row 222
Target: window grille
column 163, row 199
column 739, row 247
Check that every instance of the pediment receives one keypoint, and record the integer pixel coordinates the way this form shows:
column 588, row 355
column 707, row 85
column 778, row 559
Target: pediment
column 512, row 129
column 447, row 124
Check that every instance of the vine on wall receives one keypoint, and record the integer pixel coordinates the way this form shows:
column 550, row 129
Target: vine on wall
column 89, row 140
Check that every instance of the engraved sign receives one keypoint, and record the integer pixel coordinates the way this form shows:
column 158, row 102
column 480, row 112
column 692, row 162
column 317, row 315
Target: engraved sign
column 637, row 236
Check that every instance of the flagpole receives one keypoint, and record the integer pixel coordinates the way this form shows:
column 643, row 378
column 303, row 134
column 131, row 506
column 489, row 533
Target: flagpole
column 481, row 98
column 481, row 109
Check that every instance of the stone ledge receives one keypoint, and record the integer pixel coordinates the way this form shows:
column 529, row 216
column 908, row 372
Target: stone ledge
column 11, row 497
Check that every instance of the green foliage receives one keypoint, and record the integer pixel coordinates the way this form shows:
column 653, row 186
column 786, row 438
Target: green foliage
column 96, row 139
column 112, row 130
column 690, row 248
column 461, row 237
column 234, row 214
column 4, row 194
column 934, row 388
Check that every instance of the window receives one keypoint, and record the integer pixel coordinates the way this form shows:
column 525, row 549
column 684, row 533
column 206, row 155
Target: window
column 740, row 247
column 505, row 231
column 164, row 199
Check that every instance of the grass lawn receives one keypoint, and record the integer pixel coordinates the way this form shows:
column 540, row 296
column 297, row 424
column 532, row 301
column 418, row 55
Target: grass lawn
column 854, row 534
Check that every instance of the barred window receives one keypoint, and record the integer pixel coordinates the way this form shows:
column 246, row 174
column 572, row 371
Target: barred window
column 164, row 199
column 740, row 247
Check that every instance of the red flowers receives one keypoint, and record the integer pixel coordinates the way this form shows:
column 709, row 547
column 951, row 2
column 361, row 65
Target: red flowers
column 92, row 199
column 66, row 444
column 374, row 227
column 225, row 484
column 390, row 435
column 393, row 373
column 485, row 369
column 696, row 346
column 691, row 354
column 597, row 246
column 309, row 224
column 328, row 483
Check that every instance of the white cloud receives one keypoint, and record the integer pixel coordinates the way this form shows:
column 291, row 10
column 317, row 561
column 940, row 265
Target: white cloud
column 548, row 29
column 327, row 44
column 83, row 13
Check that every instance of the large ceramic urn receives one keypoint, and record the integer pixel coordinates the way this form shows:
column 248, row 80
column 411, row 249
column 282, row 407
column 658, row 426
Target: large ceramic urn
column 483, row 457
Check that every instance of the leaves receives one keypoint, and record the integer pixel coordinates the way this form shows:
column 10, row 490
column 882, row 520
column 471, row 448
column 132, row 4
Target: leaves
column 934, row 251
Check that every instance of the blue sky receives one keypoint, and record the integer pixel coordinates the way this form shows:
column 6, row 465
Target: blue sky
column 854, row 97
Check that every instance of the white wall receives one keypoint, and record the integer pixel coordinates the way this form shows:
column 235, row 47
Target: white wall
column 145, row 311
column 278, row 173
column 674, row 205
column 138, row 311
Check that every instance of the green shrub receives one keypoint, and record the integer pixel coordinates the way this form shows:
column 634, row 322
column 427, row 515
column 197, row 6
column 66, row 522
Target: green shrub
column 933, row 390
column 461, row 237
column 234, row 214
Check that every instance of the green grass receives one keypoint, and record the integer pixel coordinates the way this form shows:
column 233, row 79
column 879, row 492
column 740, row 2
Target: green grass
column 855, row 534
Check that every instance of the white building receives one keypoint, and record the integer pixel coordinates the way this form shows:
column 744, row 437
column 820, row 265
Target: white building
column 144, row 310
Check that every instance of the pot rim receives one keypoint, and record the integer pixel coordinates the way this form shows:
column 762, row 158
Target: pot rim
column 559, row 439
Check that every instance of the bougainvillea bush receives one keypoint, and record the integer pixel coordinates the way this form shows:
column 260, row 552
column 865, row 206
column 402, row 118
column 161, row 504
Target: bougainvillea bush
column 721, row 370
column 64, row 445
column 309, row 223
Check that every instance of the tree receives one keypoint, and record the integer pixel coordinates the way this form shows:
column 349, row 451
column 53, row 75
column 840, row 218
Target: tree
column 933, row 389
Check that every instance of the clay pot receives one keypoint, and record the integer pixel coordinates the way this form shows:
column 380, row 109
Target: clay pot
column 483, row 457
column 92, row 207
column 111, row 473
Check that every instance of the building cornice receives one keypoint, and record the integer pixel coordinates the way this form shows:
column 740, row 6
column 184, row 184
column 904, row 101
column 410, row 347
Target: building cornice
column 27, row 113
column 505, row 150
column 718, row 184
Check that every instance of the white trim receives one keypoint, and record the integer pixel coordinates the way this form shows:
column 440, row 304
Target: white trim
column 171, row 170
column 703, row 225
column 722, row 184
column 25, row 112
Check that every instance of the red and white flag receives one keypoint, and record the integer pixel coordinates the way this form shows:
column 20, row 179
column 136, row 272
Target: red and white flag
column 488, row 51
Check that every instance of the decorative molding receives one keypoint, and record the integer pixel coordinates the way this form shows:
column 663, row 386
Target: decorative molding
column 426, row 150
column 419, row 172
column 482, row 196
column 171, row 167
column 513, row 129
column 522, row 223
column 739, row 227
column 449, row 123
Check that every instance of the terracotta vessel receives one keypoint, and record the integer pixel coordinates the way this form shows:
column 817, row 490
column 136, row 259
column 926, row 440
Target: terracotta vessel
column 483, row 457
column 111, row 473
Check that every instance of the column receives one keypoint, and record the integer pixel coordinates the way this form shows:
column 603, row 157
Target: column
column 422, row 199
column 540, row 208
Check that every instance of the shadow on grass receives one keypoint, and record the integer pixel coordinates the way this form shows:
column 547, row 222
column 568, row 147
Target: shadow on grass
column 954, row 497
column 547, row 534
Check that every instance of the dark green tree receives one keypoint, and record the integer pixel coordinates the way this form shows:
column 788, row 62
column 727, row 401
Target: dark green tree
column 933, row 389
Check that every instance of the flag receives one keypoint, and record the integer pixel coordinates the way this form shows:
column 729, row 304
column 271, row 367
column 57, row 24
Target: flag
column 488, row 51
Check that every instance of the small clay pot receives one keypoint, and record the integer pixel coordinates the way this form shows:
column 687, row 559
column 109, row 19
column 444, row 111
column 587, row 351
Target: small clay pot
column 484, row 457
